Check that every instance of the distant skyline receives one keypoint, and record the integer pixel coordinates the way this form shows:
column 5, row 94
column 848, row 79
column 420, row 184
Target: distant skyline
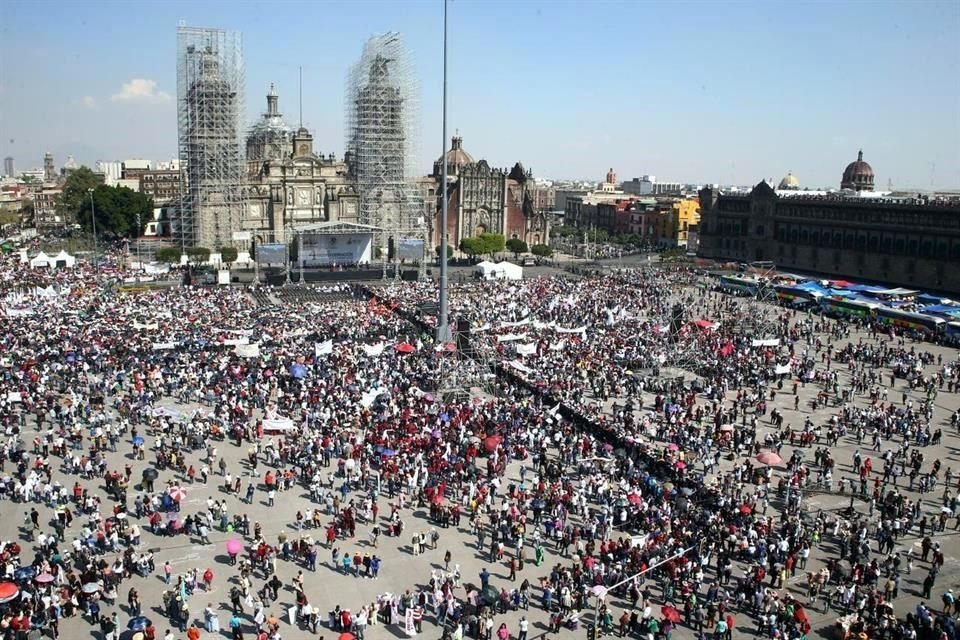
column 710, row 92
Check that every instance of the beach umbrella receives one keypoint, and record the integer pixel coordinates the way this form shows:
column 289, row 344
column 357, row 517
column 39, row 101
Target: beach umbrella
column 150, row 473
column 25, row 573
column 8, row 591
column 769, row 458
column 90, row 587
column 138, row 441
column 139, row 623
column 178, row 493
column 44, row 578
column 670, row 613
column 234, row 546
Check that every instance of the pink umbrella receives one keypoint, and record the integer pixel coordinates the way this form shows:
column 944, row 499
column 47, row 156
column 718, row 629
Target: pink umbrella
column 234, row 546
column 405, row 347
column 178, row 493
column 769, row 458
column 672, row 447
column 44, row 578
column 680, row 464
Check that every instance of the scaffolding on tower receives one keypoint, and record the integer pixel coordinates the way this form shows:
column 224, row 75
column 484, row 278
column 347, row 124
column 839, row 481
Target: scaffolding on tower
column 381, row 131
column 210, row 120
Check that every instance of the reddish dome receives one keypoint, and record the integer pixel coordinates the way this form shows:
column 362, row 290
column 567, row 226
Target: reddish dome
column 858, row 175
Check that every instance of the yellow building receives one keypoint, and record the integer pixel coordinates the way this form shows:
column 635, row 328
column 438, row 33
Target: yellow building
column 686, row 214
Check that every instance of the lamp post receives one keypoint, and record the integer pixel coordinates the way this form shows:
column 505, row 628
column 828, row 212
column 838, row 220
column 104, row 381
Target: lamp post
column 93, row 221
column 139, row 259
column 443, row 323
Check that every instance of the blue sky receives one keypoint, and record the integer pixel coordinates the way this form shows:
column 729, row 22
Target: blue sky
column 688, row 91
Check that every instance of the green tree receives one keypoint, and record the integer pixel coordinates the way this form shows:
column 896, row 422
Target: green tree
column 472, row 246
column 492, row 243
column 516, row 246
column 168, row 254
column 228, row 254
column 76, row 195
column 117, row 210
column 541, row 251
column 449, row 252
column 198, row 254
column 565, row 230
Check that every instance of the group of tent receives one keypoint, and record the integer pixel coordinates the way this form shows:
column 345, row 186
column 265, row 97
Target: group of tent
column 62, row 259
column 487, row 270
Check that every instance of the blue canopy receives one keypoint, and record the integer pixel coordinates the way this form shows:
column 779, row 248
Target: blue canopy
column 298, row 371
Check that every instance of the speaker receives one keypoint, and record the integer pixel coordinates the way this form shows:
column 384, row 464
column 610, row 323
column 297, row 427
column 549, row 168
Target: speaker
column 463, row 334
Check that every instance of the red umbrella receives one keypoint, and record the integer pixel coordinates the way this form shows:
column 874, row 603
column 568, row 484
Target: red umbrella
column 769, row 458
column 671, row 614
column 634, row 499
column 403, row 347
column 491, row 443
column 680, row 465
column 346, row 636
column 746, row 509
column 8, row 591
column 178, row 493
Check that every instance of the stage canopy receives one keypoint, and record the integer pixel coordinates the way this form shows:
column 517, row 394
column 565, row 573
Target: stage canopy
column 336, row 242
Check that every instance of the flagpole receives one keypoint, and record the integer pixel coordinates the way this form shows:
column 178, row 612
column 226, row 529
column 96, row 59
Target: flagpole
column 443, row 324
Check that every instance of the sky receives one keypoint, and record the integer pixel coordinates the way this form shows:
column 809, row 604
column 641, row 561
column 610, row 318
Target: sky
column 700, row 92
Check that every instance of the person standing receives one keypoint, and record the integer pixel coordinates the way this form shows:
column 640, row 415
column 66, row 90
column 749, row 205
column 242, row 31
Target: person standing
column 524, row 625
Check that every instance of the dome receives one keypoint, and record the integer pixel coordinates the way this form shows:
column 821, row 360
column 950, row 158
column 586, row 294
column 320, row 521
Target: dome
column 858, row 175
column 457, row 158
column 270, row 138
column 789, row 182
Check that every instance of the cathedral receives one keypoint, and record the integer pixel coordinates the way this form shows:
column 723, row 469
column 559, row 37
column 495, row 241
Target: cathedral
column 484, row 199
column 288, row 183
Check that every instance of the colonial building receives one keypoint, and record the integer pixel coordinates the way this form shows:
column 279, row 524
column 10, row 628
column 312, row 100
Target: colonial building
column 910, row 241
column 288, row 183
column 484, row 199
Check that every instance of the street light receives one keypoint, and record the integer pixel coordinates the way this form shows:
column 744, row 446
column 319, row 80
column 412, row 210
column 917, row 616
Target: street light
column 139, row 259
column 93, row 221
column 443, row 324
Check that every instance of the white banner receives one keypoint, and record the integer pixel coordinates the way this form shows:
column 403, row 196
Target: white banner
column 512, row 336
column 774, row 342
column 248, row 350
column 236, row 342
column 557, row 346
column 519, row 366
column 14, row 396
column 368, row 398
column 520, row 323
column 13, row 312
column 239, row 332
column 581, row 330
column 150, row 326
column 374, row 350
column 782, row 369
column 163, row 346
column 278, row 424
column 526, row 349
column 323, row 348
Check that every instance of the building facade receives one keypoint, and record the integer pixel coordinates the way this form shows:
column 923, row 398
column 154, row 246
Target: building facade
column 648, row 186
column 45, row 201
column 905, row 241
column 8, row 168
column 161, row 185
column 288, row 183
column 484, row 199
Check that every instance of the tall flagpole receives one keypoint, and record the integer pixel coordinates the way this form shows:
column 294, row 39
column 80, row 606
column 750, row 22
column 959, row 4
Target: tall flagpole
column 443, row 326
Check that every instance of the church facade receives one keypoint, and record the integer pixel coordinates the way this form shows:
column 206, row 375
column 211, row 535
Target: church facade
column 289, row 184
column 485, row 199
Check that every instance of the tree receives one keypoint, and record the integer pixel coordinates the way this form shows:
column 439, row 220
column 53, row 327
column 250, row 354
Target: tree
column 516, row 246
column 449, row 252
column 472, row 246
column 541, row 251
column 75, row 195
column 117, row 210
column 492, row 243
column 168, row 254
column 198, row 254
column 228, row 254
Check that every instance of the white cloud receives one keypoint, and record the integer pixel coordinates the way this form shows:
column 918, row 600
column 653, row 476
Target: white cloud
column 140, row 90
column 87, row 102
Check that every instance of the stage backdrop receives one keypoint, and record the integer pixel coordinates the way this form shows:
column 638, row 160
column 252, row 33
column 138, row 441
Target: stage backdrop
column 271, row 253
column 346, row 249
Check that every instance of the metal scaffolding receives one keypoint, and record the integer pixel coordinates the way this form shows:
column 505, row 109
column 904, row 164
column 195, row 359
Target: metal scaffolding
column 381, row 135
column 210, row 120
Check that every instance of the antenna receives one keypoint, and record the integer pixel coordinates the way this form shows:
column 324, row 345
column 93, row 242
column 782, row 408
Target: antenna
column 301, row 98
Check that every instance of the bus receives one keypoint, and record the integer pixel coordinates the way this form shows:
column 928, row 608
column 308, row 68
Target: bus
column 910, row 320
column 740, row 286
column 952, row 331
column 840, row 307
column 795, row 296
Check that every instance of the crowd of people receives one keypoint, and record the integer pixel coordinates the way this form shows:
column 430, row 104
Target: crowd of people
column 648, row 501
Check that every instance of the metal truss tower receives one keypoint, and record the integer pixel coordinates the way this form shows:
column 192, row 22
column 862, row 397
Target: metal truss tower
column 381, row 118
column 210, row 121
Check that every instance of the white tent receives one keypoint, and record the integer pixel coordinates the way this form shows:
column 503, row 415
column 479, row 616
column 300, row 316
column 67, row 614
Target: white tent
column 509, row 271
column 485, row 269
column 42, row 260
column 64, row 257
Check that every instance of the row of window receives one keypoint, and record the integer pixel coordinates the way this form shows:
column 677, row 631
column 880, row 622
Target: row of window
column 921, row 247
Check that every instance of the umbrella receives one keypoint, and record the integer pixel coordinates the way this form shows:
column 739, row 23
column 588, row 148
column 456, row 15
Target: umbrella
column 298, row 371
column 671, row 614
column 687, row 491
column 388, row 453
column 599, row 590
column 746, row 509
column 150, row 474
column 769, row 458
column 490, row 595
column 138, row 441
column 234, row 546
column 727, row 428
column 139, row 623
column 634, row 499
column 8, row 591
column 177, row 493
column 405, row 347
column 90, row 587
column 347, row 636
column 680, row 465
column 667, row 486
column 673, row 447
column 25, row 573
column 491, row 443
column 44, row 578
